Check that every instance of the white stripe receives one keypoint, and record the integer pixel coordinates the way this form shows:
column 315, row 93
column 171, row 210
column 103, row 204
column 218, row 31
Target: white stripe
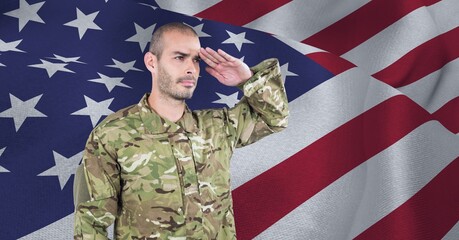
column 445, row 15
column 186, row 7
column 435, row 89
column 300, row 47
column 363, row 196
column 452, row 234
column 312, row 115
column 419, row 26
column 299, row 19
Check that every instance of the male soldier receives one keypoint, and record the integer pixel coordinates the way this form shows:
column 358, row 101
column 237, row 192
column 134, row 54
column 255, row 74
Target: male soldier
column 161, row 171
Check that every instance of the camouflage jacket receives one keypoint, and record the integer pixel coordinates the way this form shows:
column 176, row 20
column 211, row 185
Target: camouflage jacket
column 156, row 179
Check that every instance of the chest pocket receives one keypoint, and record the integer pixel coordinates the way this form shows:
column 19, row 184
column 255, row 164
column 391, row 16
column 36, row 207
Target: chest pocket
column 149, row 174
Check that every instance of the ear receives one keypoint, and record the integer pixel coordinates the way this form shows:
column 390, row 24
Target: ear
column 150, row 61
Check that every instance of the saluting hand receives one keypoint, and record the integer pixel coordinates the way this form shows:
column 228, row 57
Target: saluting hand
column 227, row 69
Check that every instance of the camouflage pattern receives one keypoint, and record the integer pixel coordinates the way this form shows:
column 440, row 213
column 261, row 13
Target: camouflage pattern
column 156, row 179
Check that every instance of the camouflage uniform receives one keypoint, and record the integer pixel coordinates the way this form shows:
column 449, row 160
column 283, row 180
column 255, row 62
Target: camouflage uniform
column 157, row 179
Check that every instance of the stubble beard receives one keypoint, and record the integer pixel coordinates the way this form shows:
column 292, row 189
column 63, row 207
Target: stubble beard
column 167, row 86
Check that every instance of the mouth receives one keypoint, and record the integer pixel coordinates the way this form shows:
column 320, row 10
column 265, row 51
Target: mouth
column 187, row 82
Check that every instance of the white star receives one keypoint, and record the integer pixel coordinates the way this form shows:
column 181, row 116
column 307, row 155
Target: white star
column 84, row 22
column 66, row 59
column 95, row 110
column 154, row 8
column 52, row 68
column 110, row 82
column 142, row 36
column 2, row 65
column 20, row 110
column 124, row 66
column 285, row 72
column 236, row 39
column 2, row 169
column 229, row 100
column 10, row 46
column 198, row 30
column 64, row 168
column 26, row 13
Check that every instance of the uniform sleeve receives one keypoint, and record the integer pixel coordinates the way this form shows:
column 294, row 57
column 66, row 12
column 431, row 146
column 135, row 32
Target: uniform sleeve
column 264, row 107
column 96, row 189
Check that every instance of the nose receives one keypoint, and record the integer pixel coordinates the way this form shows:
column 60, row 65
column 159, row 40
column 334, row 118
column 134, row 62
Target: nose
column 192, row 67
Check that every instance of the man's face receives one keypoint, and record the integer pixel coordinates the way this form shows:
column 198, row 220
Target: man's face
column 178, row 67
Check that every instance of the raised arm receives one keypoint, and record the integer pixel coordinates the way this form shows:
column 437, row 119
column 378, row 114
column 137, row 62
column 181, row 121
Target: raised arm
column 264, row 108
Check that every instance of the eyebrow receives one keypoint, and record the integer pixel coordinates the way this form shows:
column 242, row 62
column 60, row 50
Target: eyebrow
column 181, row 53
column 186, row 54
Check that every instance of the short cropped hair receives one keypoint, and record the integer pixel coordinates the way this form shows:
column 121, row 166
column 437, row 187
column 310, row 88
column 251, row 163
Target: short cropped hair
column 156, row 43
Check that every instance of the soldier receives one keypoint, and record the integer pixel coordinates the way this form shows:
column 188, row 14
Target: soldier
column 160, row 171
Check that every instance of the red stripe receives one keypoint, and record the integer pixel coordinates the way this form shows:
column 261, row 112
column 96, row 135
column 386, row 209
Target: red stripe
column 331, row 62
column 423, row 60
column 268, row 197
column 429, row 214
column 240, row 12
column 362, row 24
column 448, row 115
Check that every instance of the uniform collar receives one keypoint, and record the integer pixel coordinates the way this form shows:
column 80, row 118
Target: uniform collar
column 155, row 124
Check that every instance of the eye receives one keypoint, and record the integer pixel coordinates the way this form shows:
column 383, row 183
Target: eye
column 179, row 57
column 198, row 59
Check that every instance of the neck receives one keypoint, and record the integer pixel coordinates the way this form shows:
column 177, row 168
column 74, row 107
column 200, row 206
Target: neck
column 168, row 108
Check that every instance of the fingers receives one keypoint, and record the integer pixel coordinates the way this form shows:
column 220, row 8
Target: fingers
column 208, row 58
column 213, row 58
column 215, row 55
column 226, row 56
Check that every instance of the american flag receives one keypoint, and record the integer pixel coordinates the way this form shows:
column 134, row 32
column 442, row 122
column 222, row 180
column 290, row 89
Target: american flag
column 371, row 151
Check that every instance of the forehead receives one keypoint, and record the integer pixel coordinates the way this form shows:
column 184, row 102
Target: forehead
column 180, row 41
